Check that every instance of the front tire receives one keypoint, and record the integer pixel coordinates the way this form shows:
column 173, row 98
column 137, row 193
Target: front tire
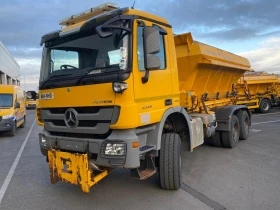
column 13, row 131
column 170, row 170
column 231, row 138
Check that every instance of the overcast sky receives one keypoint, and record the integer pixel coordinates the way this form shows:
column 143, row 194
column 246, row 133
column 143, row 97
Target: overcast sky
column 250, row 28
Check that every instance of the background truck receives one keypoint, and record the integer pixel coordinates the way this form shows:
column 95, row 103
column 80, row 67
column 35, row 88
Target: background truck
column 119, row 90
column 278, row 89
column 31, row 99
column 258, row 91
column 12, row 109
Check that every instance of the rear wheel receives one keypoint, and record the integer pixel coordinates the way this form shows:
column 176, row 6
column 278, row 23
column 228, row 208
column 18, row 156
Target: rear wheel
column 265, row 106
column 217, row 139
column 231, row 138
column 243, row 119
column 170, row 171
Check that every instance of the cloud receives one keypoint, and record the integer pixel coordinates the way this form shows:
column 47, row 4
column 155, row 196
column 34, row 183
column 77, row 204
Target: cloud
column 29, row 21
column 216, row 22
column 266, row 56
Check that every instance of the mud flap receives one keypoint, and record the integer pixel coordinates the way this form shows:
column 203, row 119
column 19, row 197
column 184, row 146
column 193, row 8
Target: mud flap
column 72, row 168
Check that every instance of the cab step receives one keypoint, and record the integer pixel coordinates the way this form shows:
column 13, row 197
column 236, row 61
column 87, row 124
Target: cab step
column 146, row 148
column 148, row 171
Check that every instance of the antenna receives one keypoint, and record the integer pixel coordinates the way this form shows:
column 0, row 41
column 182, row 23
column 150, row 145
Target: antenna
column 133, row 5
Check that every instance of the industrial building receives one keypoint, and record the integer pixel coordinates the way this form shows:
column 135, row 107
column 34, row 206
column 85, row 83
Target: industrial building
column 9, row 68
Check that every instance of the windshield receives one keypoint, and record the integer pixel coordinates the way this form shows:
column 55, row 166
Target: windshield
column 6, row 100
column 75, row 55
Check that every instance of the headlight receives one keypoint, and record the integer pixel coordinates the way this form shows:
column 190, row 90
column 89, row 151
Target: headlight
column 119, row 87
column 114, row 148
column 43, row 141
column 8, row 116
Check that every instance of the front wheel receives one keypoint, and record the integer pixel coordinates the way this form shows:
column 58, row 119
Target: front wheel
column 13, row 131
column 170, row 169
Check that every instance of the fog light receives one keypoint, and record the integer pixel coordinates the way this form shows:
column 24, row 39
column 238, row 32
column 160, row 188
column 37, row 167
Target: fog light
column 114, row 148
column 119, row 87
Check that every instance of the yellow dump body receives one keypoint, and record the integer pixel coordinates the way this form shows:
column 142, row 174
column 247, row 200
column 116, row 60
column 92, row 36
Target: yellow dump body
column 261, row 84
column 204, row 69
column 277, row 87
column 254, row 87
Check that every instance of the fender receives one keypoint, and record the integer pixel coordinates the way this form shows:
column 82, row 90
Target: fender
column 223, row 116
column 154, row 136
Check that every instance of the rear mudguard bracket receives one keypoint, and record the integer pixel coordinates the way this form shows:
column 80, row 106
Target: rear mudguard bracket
column 223, row 116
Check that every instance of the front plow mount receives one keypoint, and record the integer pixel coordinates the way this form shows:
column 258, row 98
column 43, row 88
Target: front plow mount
column 73, row 168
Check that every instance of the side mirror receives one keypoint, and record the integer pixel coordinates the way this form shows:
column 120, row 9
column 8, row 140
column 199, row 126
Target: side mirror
column 17, row 105
column 151, row 46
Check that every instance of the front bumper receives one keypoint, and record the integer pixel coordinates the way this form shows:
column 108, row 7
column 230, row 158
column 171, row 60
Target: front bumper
column 31, row 106
column 95, row 148
column 6, row 124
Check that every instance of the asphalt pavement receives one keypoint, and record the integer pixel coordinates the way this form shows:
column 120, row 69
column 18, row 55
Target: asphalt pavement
column 246, row 177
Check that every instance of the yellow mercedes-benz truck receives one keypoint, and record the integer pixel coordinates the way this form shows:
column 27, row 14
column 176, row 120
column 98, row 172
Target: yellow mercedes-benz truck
column 119, row 90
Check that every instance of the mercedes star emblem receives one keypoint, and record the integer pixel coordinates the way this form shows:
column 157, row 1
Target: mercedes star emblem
column 70, row 118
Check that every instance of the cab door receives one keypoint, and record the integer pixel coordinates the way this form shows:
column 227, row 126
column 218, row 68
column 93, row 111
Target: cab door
column 154, row 96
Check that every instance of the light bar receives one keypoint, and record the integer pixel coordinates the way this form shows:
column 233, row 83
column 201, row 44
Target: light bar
column 92, row 12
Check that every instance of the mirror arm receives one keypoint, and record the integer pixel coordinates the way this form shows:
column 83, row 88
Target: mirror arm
column 145, row 79
column 116, row 27
column 141, row 23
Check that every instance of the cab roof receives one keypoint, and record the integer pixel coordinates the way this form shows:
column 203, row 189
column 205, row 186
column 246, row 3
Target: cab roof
column 74, row 23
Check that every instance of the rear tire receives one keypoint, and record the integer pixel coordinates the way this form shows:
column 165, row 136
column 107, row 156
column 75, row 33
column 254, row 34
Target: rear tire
column 243, row 119
column 264, row 107
column 170, row 171
column 231, row 138
column 217, row 139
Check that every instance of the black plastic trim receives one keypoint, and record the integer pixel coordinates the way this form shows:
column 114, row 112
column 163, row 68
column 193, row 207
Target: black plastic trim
column 49, row 36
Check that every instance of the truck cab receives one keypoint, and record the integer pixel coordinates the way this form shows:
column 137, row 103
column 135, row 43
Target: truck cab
column 12, row 109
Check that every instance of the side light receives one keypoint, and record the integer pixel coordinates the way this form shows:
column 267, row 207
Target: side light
column 119, row 87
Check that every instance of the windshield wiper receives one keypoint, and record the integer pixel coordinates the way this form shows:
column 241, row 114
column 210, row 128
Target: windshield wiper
column 53, row 76
column 91, row 70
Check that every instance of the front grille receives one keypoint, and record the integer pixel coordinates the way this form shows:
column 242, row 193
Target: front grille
column 82, row 135
column 87, row 121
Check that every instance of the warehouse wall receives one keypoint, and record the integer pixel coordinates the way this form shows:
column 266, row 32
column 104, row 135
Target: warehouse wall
column 9, row 68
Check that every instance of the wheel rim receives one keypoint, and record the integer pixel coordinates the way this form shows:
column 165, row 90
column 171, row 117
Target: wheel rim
column 265, row 106
column 235, row 134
